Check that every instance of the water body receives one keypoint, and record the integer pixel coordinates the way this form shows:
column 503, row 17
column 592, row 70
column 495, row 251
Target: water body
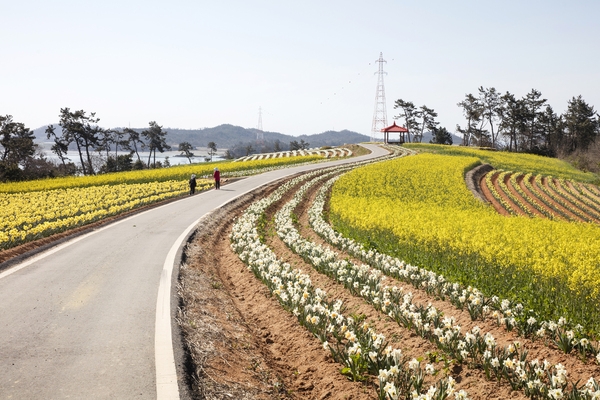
column 174, row 156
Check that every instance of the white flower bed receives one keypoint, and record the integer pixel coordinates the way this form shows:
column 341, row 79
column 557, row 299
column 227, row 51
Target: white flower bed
column 506, row 313
column 337, row 152
column 508, row 362
column 353, row 343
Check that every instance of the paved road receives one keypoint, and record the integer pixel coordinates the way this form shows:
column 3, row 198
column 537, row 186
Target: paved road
column 91, row 318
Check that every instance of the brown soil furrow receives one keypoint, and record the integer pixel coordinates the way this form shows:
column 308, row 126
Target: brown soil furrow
column 580, row 211
column 593, row 188
column 585, row 191
column 263, row 352
column 411, row 344
column 505, row 197
column 491, row 199
column 522, row 199
column 573, row 210
column 520, row 181
column 568, row 213
column 243, row 343
column 590, row 212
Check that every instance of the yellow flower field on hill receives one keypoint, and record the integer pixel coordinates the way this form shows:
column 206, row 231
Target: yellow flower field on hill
column 537, row 165
column 419, row 208
column 178, row 172
column 34, row 215
column 35, row 209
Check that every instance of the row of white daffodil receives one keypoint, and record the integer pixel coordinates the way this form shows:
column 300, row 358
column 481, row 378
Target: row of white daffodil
column 351, row 341
column 369, row 287
column 536, row 379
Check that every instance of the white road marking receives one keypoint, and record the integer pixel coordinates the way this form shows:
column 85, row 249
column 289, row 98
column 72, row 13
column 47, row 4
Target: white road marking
column 58, row 248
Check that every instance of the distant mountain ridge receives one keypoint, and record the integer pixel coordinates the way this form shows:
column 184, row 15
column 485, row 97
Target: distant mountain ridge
column 228, row 136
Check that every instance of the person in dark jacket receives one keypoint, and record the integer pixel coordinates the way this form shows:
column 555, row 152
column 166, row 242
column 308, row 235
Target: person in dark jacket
column 217, row 176
column 192, row 184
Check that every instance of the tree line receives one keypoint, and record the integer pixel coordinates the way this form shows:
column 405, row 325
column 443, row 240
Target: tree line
column 505, row 122
column 97, row 148
column 81, row 130
column 493, row 120
column 527, row 124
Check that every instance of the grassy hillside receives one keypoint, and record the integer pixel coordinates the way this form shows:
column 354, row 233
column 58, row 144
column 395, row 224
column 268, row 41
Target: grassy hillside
column 527, row 163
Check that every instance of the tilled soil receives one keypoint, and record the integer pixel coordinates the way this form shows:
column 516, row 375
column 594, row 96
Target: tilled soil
column 244, row 345
column 567, row 214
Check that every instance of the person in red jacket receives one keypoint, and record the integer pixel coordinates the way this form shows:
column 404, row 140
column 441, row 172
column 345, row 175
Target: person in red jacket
column 217, row 176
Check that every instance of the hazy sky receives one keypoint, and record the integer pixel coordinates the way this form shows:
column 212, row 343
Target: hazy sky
column 309, row 64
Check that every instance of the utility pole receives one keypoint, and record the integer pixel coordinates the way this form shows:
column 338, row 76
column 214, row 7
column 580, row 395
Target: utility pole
column 259, row 134
column 380, row 113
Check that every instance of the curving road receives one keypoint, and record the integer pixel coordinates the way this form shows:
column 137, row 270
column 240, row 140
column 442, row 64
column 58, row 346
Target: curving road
column 91, row 317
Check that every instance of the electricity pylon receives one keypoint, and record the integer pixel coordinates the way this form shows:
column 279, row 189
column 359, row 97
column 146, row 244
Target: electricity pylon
column 380, row 113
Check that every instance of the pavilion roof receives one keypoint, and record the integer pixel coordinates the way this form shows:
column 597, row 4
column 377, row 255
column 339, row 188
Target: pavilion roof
column 394, row 128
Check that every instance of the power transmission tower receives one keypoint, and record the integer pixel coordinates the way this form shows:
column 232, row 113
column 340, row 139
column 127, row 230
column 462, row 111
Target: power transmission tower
column 259, row 134
column 380, row 113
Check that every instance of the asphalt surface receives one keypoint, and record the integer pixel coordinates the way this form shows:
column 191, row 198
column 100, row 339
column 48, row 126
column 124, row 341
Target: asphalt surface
column 92, row 317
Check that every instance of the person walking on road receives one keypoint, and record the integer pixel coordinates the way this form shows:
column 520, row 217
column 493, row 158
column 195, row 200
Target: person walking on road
column 192, row 184
column 217, row 176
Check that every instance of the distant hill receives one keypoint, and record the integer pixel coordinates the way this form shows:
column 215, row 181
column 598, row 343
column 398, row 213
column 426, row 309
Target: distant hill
column 456, row 140
column 40, row 133
column 228, row 136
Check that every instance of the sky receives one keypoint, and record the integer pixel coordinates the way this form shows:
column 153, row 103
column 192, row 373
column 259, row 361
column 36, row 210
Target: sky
column 308, row 66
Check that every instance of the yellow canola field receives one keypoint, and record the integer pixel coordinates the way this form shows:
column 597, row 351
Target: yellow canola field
column 35, row 209
column 174, row 173
column 424, row 202
column 33, row 215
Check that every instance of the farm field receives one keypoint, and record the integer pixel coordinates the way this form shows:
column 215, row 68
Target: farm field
column 275, row 304
column 296, row 310
column 36, row 210
column 430, row 219
column 541, row 196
